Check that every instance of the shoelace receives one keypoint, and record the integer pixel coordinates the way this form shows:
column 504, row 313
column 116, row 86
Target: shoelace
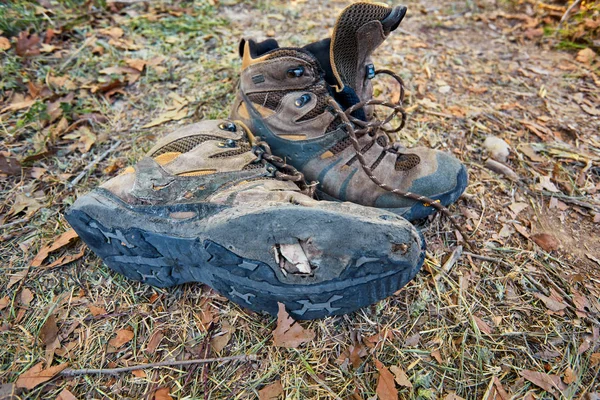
column 372, row 127
column 282, row 171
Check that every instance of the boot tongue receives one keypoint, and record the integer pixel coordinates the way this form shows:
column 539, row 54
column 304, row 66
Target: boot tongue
column 359, row 30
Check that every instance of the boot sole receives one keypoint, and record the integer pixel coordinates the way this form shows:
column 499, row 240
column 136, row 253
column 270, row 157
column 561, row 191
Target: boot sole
column 232, row 251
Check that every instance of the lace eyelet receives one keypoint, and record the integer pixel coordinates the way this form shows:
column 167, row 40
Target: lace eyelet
column 302, row 100
column 227, row 126
column 295, row 72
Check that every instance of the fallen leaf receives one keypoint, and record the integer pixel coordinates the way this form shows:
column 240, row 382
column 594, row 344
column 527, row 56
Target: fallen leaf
column 547, row 382
column 123, row 336
column 546, row 184
column 400, row 377
column 500, row 390
column 26, row 297
column 9, row 165
column 163, row 394
column 386, row 388
column 27, row 45
column 63, row 240
column 24, row 203
column 483, row 327
column 518, row 207
column 114, row 32
column 219, row 341
column 173, row 115
column 413, row 340
column 67, row 258
column 552, row 304
column 85, row 138
column 4, row 302
column 49, row 331
column 437, row 355
column 546, row 241
column 570, row 376
column 139, row 373
column 8, row 391
column 4, row 43
column 595, row 358
column 586, row 56
column 453, row 396
column 36, row 375
column 65, row 394
column 95, row 310
column 137, row 64
column 17, row 277
column 289, row 333
column 271, row 392
column 154, row 341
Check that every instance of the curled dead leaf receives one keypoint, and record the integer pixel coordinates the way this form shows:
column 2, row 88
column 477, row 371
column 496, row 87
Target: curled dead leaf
column 546, row 241
column 27, row 45
column 289, row 333
column 386, row 388
column 123, row 336
column 63, row 240
column 271, row 392
column 36, row 375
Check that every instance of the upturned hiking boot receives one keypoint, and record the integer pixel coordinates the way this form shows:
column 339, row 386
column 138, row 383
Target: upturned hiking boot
column 310, row 104
column 206, row 206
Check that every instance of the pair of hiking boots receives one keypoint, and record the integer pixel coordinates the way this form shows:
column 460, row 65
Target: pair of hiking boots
column 227, row 203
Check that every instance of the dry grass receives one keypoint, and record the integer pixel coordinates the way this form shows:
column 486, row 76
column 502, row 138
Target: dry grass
column 452, row 332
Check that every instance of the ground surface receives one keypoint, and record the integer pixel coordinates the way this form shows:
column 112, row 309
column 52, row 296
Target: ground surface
column 511, row 320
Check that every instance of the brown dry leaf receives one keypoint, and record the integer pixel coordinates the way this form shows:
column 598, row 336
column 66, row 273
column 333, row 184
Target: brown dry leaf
column 552, row 304
column 163, row 394
column 27, row 45
column 24, row 203
column 4, row 43
column 8, row 391
column 114, row 32
column 65, row 394
column 49, row 331
column 437, row 355
column 570, row 376
column 4, row 302
column 500, row 390
column 289, row 333
column 483, row 327
column 67, row 258
column 63, row 240
column 550, row 383
column 85, row 138
column 154, row 341
column 586, row 56
column 36, row 375
column 413, row 340
column 401, row 377
column 136, row 63
column 219, row 341
column 9, row 165
column 453, row 396
column 386, row 388
column 595, row 358
column 546, row 241
column 271, row 392
column 173, row 115
column 17, row 277
column 95, row 310
column 26, row 297
column 139, row 373
column 123, row 336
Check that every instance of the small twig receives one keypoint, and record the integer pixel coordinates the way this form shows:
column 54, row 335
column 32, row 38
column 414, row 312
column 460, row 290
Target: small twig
column 502, row 169
column 114, row 371
column 17, row 222
column 454, row 257
column 486, row 258
column 94, row 163
column 567, row 13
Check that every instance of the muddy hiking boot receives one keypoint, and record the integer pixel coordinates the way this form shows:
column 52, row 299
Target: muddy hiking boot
column 206, row 206
column 314, row 107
